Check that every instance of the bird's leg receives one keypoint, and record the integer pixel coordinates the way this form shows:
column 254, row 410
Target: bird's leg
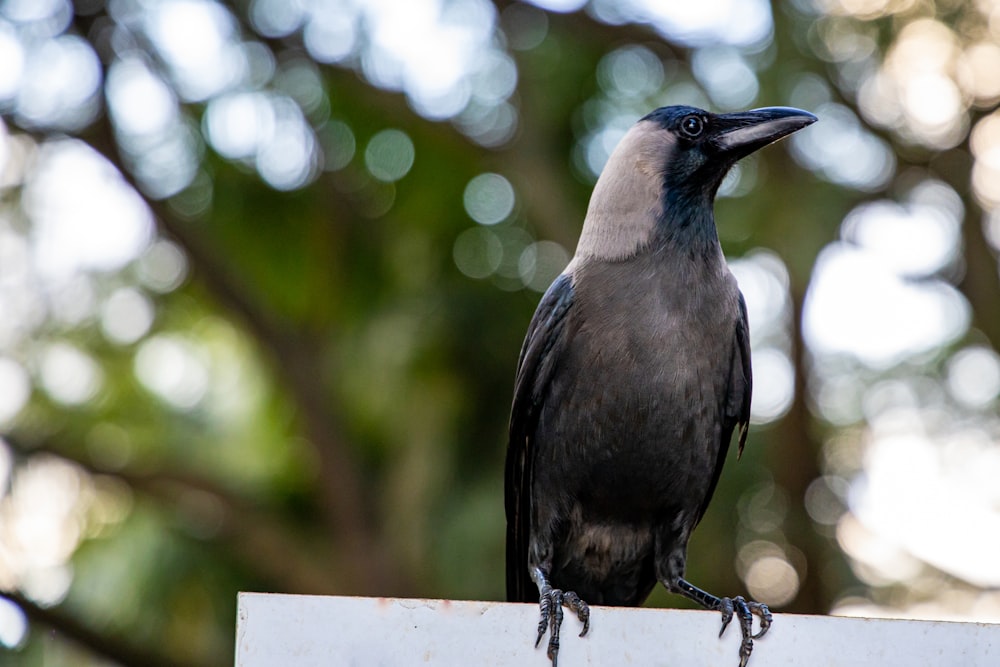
column 742, row 608
column 550, row 603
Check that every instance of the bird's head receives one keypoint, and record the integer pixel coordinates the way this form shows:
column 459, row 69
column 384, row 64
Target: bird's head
column 662, row 178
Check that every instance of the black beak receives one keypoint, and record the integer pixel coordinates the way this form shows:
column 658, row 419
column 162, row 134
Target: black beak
column 736, row 135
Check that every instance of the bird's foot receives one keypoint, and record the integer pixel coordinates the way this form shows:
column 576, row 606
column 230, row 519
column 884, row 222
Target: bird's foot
column 745, row 610
column 551, row 601
column 738, row 606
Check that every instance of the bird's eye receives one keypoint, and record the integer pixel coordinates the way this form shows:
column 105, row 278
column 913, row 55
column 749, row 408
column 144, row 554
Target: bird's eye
column 692, row 126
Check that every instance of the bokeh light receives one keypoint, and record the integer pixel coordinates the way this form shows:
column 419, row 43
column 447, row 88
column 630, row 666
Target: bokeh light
column 84, row 215
column 842, row 151
column 974, row 376
column 876, row 561
column 774, row 383
column 59, row 84
column 762, row 509
column 276, row 18
column 268, row 131
column 238, row 123
column 857, row 306
column 540, row 263
column 41, row 524
column 599, row 145
column 631, row 71
column 825, row 499
column 489, row 125
column 68, row 374
column 126, row 316
column 985, row 144
column 733, row 22
column 489, row 198
column 389, row 155
column 478, row 252
column 763, row 280
column 13, row 624
column 767, row 572
column 163, row 267
column 338, row 144
column 12, row 56
column 729, row 80
column 916, row 240
column 560, row 5
column 524, row 26
column 864, row 285
column 174, row 370
column 287, row 158
column 140, row 101
column 331, row 36
column 190, row 33
column 772, row 579
column 938, row 487
column 979, row 74
column 510, row 274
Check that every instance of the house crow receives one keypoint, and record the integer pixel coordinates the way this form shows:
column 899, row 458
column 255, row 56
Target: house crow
column 633, row 376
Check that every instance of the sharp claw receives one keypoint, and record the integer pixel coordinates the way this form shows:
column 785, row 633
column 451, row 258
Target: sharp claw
column 550, row 604
column 545, row 606
column 746, row 629
column 573, row 601
column 726, row 607
column 745, row 611
column 746, row 616
column 765, row 618
column 556, row 624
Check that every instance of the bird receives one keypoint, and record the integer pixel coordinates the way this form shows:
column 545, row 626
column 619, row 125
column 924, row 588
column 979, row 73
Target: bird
column 633, row 376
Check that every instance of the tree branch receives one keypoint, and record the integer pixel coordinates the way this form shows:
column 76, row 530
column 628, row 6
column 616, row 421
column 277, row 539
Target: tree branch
column 117, row 650
column 255, row 534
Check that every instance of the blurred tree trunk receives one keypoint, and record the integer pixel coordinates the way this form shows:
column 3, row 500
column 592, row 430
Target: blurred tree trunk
column 794, row 462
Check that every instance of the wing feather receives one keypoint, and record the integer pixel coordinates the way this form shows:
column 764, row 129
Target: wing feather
column 535, row 368
column 736, row 408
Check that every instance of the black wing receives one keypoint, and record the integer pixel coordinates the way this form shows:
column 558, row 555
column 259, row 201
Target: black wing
column 534, row 371
column 736, row 406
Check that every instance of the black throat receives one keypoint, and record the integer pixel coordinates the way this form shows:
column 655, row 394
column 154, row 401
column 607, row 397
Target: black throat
column 686, row 224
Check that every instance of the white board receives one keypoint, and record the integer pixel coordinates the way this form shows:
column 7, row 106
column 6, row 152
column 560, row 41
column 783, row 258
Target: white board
column 318, row 631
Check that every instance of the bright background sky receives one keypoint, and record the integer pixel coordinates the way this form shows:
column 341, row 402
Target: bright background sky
column 879, row 297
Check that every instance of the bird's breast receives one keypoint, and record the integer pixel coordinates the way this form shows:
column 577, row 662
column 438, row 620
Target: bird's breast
column 635, row 409
column 671, row 323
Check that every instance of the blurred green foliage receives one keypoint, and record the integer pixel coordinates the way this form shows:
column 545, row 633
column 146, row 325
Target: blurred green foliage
column 351, row 386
